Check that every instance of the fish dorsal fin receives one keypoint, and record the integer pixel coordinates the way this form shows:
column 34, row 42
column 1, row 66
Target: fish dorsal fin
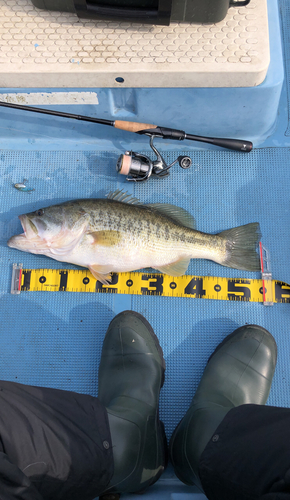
column 175, row 213
column 123, row 197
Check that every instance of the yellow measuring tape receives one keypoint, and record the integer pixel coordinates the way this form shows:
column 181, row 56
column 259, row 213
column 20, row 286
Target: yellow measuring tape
column 142, row 283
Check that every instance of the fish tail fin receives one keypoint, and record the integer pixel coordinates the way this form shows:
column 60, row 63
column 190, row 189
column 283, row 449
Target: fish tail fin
column 241, row 245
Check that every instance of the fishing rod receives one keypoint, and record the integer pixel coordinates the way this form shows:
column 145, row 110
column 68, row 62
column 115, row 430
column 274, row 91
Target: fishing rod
column 140, row 166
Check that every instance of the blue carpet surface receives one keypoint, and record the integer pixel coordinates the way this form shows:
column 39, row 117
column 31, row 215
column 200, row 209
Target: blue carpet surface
column 55, row 338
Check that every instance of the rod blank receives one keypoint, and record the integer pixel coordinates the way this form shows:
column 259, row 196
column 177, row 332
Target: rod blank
column 141, row 128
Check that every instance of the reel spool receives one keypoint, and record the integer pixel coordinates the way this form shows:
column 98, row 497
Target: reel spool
column 139, row 167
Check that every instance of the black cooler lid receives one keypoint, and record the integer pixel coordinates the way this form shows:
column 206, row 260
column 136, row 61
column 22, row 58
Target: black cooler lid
column 142, row 11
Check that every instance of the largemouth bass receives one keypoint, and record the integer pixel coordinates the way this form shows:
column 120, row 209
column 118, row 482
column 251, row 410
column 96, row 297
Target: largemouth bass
column 119, row 234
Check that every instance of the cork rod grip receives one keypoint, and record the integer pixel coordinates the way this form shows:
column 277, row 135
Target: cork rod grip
column 132, row 126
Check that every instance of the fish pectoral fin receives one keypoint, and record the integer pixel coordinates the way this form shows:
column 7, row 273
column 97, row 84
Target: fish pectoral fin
column 177, row 268
column 101, row 273
column 105, row 238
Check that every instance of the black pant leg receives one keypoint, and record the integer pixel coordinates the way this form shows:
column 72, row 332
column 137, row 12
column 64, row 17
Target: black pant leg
column 60, row 440
column 14, row 484
column 249, row 455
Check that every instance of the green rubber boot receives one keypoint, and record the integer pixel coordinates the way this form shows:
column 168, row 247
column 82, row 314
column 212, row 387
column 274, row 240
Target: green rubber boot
column 240, row 371
column 131, row 374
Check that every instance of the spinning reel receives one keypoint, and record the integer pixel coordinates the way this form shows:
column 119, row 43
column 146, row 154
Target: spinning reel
column 139, row 167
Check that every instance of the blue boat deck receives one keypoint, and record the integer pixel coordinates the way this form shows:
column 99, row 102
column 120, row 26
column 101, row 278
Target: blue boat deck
column 55, row 339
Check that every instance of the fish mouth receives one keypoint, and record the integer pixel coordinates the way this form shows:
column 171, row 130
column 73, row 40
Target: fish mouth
column 29, row 240
column 30, row 230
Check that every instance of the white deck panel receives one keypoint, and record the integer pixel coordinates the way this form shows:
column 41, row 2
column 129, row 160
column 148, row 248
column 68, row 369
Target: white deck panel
column 46, row 49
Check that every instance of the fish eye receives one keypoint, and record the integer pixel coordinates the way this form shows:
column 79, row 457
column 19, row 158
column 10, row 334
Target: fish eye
column 40, row 212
